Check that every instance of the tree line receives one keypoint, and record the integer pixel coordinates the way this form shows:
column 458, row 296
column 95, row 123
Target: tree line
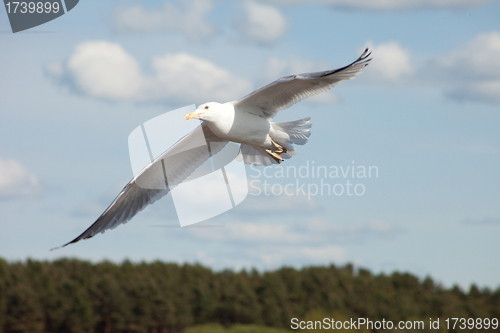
column 70, row 295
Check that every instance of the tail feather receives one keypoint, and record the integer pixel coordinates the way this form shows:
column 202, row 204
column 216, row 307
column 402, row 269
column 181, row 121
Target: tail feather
column 292, row 132
column 286, row 133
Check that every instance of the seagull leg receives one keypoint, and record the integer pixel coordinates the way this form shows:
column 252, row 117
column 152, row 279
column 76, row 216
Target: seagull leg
column 276, row 153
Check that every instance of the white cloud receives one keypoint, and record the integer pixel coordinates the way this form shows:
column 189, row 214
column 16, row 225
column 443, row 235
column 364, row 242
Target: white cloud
column 182, row 74
column 188, row 19
column 262, row 24
column 473, row 69
column 388, row 5
column 390, row 63
column 16, row 180
column 471, row 72
column 105, row 70
column 477, row 59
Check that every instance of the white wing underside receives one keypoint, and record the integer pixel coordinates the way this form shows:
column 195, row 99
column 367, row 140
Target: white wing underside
column 266, row 101
column 134, row 198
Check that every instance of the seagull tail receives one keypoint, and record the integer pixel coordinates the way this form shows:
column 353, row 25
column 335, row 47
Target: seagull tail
column 288, row 133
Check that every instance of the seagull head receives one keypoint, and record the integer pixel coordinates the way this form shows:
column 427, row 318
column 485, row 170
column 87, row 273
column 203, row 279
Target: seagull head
column 205, row 112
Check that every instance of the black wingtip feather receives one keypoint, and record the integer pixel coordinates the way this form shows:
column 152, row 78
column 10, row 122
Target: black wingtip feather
column 365, row 55
column 72, row 242
column 361, row 61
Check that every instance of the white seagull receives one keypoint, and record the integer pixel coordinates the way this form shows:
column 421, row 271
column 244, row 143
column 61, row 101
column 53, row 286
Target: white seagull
column 247, row 121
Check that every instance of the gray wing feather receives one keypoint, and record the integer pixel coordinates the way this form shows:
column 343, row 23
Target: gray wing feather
column 134, row 198
column 286, row 91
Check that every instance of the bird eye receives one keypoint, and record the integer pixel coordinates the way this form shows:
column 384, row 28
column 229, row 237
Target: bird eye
column 206, row 107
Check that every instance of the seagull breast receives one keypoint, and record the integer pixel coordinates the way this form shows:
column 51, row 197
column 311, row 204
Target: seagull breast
column 239, row 126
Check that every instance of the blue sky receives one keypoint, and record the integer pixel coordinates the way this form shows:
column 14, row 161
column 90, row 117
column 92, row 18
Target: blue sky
column 426, row 113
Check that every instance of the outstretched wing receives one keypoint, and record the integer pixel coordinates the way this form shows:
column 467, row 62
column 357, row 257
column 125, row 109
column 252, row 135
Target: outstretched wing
column 265, row 102
column 155, row 180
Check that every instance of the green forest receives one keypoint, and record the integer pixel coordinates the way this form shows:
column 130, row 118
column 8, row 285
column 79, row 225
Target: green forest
column 71, row 295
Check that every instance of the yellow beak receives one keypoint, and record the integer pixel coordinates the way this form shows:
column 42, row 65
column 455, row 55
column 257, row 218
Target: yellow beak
column 191, row 115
